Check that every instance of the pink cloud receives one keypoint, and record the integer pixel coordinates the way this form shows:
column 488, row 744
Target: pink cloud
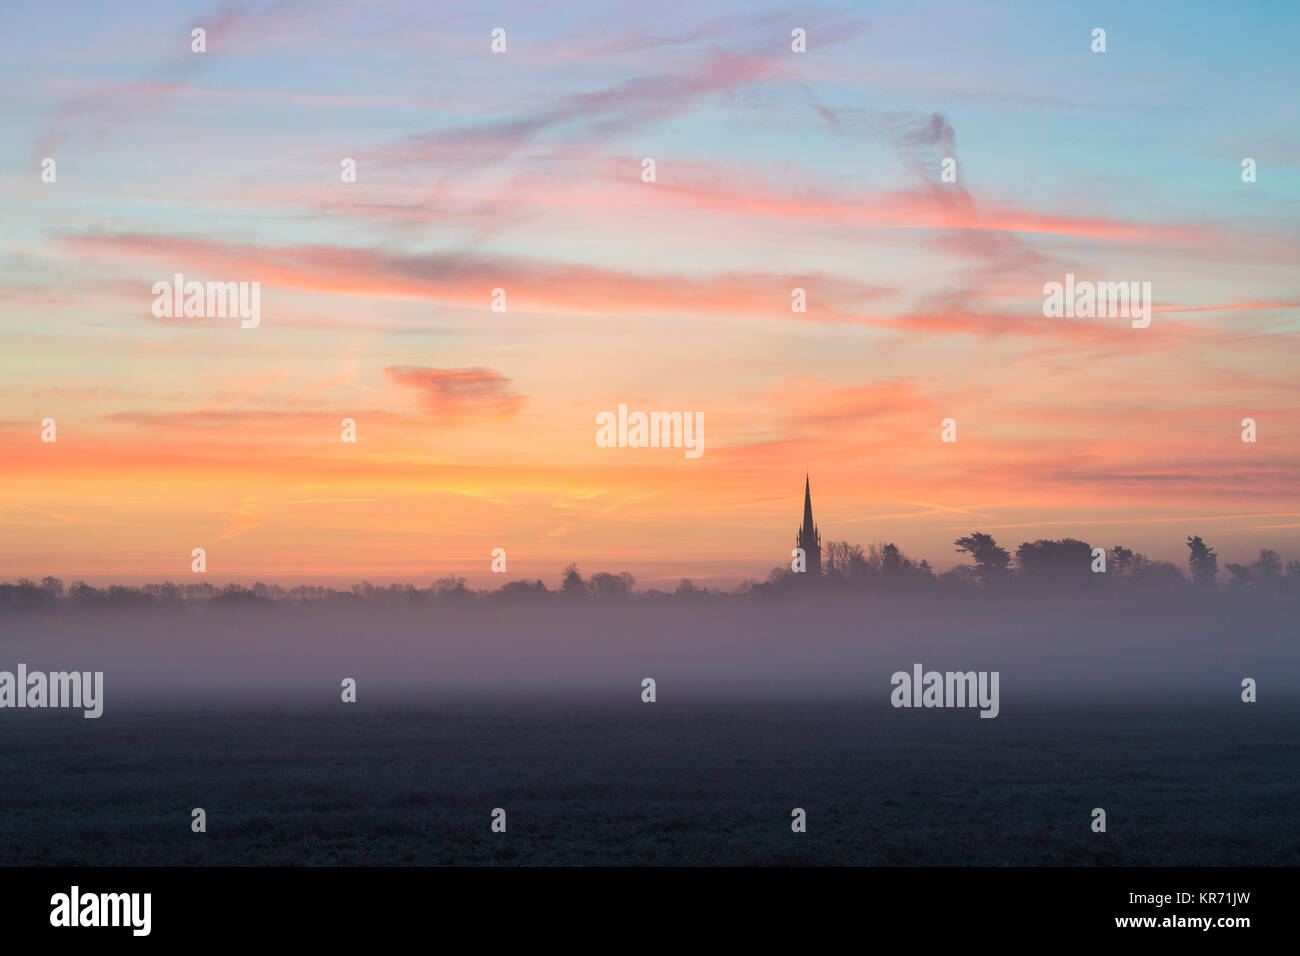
column 460, row 392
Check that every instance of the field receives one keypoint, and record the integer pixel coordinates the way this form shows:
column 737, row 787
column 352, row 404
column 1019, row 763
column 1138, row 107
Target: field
column 652, row 784
column 1132, row 707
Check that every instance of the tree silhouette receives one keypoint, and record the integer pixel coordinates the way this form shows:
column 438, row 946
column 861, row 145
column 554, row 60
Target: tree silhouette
column 1268, row 567
column 1203, row 562
column 450, row 588
column 1118, row 562
column 1154, row 575
column 839, row 558
column 521, row 591
column 1049, row 563
column 608, row 586
column 990, row 560
column 1242, row 576
column 898, row 570
column 1264, row 572
column 572, row 584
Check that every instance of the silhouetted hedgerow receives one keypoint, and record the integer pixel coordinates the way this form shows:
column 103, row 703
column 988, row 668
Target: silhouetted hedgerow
column 1042, row 566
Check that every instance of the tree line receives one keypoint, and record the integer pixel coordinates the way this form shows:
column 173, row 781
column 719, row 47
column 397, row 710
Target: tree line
column 1042, row 565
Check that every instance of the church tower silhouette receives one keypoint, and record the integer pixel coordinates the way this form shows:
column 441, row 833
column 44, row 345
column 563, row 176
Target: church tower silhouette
column 809, row 538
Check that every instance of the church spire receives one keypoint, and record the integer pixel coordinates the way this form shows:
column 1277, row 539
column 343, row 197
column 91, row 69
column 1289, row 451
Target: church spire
column 809, row 538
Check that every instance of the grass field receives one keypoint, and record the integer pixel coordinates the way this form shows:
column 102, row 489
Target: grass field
column 686, row 782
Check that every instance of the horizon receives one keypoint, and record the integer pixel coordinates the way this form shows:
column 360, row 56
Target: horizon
column 1288, row 568
column 532, row 569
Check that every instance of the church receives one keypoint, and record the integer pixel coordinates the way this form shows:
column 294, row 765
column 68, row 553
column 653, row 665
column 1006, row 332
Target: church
column 808, row 537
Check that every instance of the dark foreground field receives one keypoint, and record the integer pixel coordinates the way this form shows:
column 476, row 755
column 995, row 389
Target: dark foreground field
column 1129, row 705
column 674, row 782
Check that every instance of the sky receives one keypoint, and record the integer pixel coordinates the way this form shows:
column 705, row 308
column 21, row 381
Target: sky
column 522, row 170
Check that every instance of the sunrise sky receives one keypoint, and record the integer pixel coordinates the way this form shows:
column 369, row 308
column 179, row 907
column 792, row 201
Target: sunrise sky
column 522, row 171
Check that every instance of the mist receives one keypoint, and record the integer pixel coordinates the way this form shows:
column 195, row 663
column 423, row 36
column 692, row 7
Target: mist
column 1071, row 647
